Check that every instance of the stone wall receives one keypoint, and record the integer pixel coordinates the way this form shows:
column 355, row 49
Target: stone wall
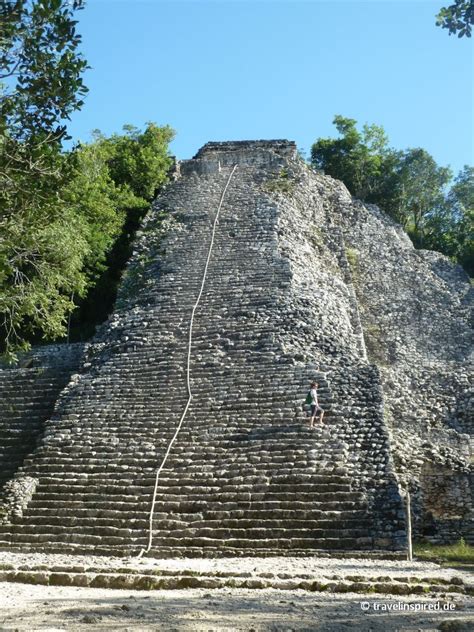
column 28, row 392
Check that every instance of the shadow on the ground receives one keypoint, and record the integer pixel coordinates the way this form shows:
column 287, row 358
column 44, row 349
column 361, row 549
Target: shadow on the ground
column 225, row 610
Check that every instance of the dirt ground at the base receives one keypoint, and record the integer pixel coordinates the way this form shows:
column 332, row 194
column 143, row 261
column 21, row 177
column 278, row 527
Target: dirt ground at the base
column 31, row 608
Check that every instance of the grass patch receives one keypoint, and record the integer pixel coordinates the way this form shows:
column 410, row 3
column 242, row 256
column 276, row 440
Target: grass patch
column 459, row 552
column 352, row 256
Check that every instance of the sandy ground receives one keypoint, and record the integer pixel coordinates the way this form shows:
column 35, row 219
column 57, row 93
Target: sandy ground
column 33, row 608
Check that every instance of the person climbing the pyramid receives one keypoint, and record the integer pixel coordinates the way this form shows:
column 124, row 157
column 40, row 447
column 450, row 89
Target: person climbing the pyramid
column 313, row 402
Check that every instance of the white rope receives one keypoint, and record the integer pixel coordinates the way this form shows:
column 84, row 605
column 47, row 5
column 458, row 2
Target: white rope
column 188, row 369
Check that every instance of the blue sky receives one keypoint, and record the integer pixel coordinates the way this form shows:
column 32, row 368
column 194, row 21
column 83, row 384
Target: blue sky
column 249, row 69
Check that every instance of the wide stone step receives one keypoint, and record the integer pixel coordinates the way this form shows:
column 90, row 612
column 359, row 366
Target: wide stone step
column 127, row 576
column 296, row 505
column 219, row 517
column 132, row 529
column 68, row 541
column 221, row 445
column 194, row 510
column 193, row 474
column 51, row 454
column 190, row 486
column 127, row 530
column 249, row 427
column 257, row 533
column 131, row 506
column 48, row 515
column 64, row 539
column 275, row 522
column 165, row 552
column 244, row 544
column 214, row 494
column 114, row 470
column 88, row 501
column 125, row 520
column 351, row 513
column 139, row 482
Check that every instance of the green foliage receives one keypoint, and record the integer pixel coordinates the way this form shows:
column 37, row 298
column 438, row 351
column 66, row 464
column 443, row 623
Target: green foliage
column 457, row 18
column 66, row 219
column 93, row 197
column 408, row 185
column 449, row 227
column 41, row 68
column 42, row 243
column 415, row 188
column 140, row 160
column 115, row 180
column 358, row 159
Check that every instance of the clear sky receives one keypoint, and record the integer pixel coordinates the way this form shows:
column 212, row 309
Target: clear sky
column 250, row 69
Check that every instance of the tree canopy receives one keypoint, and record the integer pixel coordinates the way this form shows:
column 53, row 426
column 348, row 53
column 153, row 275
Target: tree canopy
column 458, row 18
column 356, row 158
column 61, row 213
column 115, row 179
column 42, row 244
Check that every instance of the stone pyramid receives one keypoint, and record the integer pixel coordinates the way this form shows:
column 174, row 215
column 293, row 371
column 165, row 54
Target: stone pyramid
column 302, row 283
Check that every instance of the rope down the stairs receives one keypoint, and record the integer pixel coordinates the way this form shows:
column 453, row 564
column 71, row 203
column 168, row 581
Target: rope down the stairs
column 188, row 368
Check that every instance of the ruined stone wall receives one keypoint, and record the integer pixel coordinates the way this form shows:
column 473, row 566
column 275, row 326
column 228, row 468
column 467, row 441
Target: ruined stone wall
column 410, row 313
column 416, row 312
column 28, row 392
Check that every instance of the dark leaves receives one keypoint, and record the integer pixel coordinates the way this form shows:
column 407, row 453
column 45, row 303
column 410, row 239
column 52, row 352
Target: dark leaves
column 457, row 18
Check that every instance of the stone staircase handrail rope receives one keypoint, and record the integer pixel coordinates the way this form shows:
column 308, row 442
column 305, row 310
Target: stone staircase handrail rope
column 188, row 367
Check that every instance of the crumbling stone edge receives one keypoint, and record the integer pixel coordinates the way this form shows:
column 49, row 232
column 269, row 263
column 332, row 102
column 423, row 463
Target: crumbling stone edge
column 16, row 495
column 131, row 580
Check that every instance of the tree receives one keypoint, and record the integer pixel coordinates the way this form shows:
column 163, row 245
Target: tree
column 450, row 227
column 457, row 18
column 358, row 159
column 417, row 189
column 140, row 160
column 461, row 198
column 42, row 244
column 42, row 67
column 66, row 219
column 115, row 180
column 92, row 196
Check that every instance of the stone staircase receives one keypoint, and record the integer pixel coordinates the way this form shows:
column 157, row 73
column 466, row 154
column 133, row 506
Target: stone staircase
column 246, row 475
column 28, row 393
